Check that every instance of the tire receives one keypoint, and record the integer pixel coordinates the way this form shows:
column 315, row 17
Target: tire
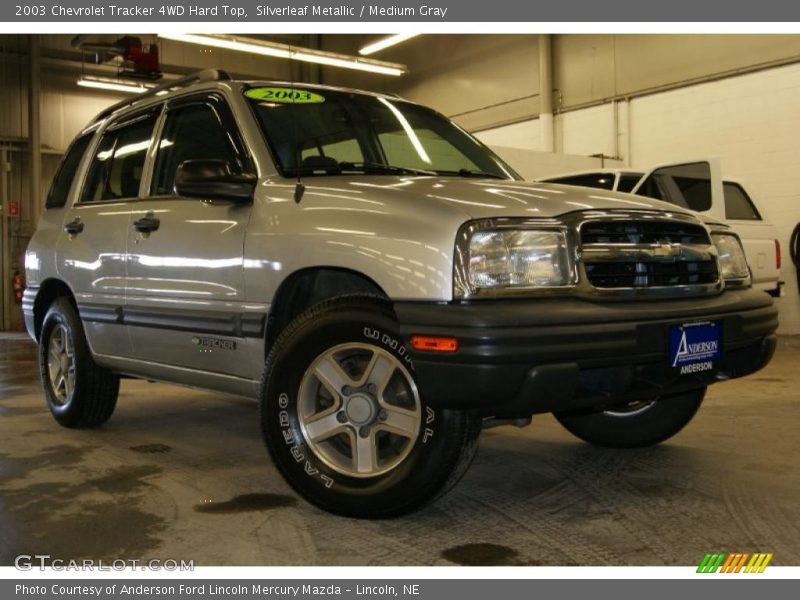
column 313, row 430
column 635, row 425
column 79, row 393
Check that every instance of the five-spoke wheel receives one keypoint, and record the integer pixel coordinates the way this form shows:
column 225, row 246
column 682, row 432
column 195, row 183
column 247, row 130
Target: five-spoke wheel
column 61, row 363
column 359, row 409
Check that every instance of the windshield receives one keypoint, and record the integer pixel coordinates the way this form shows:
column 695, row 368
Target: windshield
column 333, row 133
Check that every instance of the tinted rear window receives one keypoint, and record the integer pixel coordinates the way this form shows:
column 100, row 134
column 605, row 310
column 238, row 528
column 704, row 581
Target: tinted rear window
column 62, row 182
column 603, row 181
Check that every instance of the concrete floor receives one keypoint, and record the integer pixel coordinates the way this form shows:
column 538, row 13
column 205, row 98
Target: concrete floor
column 184, row 474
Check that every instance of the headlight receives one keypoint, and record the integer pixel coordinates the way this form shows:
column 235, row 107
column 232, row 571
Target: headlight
column 732, row 260
column 517, row 258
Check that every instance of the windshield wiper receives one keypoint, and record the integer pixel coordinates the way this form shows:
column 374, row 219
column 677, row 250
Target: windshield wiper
column 469, row 173
column 373, row 166
column 311, row 171
column 363, row 167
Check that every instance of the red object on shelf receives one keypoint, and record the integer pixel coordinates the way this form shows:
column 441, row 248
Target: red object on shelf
column 143, row 56
column 19, row 287
column 13, row 208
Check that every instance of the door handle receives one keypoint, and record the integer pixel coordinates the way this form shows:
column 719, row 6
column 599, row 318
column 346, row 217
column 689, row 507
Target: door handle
column 147, row 224
column 74, row 227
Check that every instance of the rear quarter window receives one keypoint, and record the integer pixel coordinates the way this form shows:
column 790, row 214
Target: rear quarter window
column 62, row 182
column 738, row 205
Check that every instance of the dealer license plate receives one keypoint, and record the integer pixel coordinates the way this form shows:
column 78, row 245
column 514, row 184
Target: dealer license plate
column 694, row 347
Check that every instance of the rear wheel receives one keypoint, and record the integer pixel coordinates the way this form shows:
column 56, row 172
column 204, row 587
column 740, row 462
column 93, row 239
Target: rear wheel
column 344, row 420
column 636, row 424
column 79, row 393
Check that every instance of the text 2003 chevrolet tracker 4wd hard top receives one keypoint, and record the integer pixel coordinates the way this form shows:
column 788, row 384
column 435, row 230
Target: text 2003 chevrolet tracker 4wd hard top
column 410, row 289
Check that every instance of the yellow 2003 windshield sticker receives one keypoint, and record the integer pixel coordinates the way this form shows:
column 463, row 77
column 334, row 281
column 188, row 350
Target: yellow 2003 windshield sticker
column 287, row 95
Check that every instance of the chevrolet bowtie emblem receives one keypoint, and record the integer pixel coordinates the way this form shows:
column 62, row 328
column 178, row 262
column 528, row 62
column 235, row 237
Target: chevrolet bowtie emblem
column 667, row 250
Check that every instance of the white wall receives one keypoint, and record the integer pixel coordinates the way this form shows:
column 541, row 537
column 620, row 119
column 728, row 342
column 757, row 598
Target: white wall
column 535, row 164
column 580, row 133
column 752, row 122
column 523, row 135
column 589, row 131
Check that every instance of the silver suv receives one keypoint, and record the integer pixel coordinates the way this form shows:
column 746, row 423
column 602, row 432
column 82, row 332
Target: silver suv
column 378, row 280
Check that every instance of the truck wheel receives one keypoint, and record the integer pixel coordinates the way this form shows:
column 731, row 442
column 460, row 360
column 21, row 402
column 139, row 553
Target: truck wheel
column 79, row 393
column 343, row 419
column 637, row 424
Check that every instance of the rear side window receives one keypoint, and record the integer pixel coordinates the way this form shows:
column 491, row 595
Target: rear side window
column 117, row 167
column 62, row 182
column 687, row 185
column 687, row 192
column 603, row 181
column 627, row 183
column 738, row 205
column 192, row 132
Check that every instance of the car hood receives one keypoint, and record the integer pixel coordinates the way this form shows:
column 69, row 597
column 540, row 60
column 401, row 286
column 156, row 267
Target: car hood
column 480, row 198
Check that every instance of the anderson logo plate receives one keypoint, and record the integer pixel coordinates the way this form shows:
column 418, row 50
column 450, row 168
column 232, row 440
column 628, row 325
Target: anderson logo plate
column 694, row 347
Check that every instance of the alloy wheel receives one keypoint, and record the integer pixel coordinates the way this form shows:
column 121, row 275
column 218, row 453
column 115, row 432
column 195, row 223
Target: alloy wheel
column 61, row 363
column 359, row 410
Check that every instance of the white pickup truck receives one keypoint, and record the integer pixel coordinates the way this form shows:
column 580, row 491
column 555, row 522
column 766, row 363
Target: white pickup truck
column 682, row 184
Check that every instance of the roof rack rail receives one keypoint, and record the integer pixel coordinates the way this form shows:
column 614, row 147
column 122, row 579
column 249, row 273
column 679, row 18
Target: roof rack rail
column 199, row 77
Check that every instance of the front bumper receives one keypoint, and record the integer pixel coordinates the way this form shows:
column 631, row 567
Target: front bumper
column 521, row 357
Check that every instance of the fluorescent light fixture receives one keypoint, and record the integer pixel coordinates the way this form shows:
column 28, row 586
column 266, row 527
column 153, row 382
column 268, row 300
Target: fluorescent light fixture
column 230, row 43
column 116, row 85
column 347, row 63
column 277, row 50
column 386, row 42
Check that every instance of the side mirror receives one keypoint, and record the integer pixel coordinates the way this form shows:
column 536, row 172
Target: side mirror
column 212, row 179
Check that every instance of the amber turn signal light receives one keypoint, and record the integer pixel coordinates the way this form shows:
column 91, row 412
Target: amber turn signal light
column 434, row 344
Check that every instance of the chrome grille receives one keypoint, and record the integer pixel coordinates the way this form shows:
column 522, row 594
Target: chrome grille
column 643, row 232
column 635, row 255
column 644, row 274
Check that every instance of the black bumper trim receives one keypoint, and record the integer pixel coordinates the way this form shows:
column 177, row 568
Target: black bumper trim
column 518, row 358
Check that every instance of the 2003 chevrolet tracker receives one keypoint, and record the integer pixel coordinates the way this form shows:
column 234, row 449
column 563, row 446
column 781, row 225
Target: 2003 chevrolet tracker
column 379, row 281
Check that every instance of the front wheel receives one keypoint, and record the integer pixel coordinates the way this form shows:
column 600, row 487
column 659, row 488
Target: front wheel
column 637, row 424
column 343, row 418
